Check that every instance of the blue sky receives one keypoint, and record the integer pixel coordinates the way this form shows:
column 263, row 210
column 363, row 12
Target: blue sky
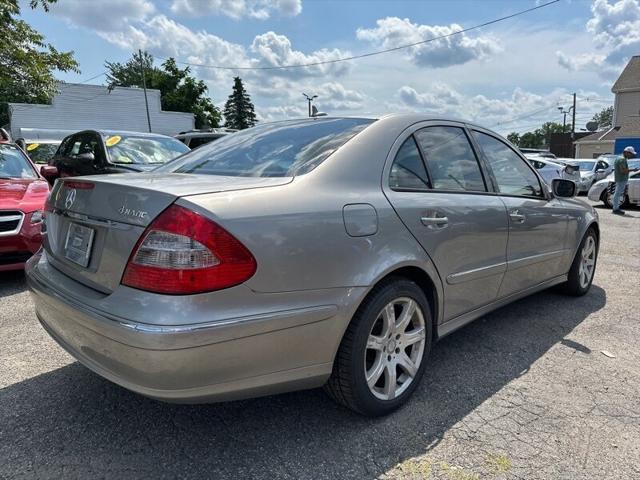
column 497, row 75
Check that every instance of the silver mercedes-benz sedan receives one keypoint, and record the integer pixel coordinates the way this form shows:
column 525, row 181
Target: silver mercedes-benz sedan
column 324, row 251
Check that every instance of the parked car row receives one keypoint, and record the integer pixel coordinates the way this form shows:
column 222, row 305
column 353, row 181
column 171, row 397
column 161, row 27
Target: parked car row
column 25, row 165
column 550, row 169
column 94, row 152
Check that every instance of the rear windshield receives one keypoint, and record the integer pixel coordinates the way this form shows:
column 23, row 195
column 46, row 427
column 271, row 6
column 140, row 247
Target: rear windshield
column 126, row 149
column 282, row 149
column 14, row 164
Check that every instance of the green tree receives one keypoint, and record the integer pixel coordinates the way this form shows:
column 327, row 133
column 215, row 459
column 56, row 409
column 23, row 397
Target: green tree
column 239, row 111
column 27, row 62
column 179, row 91
column 514, row 137
column 604, row 118
column 549, row 128
column 531, row 140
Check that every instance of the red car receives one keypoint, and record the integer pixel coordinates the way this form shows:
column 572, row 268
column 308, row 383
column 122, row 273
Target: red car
column 23, row 192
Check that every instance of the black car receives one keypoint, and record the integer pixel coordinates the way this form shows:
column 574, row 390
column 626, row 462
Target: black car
column 93, row 152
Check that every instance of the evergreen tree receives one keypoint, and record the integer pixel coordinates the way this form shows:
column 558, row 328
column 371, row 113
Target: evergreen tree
column 239, row 111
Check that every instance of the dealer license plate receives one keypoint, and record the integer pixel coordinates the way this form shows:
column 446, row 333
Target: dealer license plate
column 77, row 247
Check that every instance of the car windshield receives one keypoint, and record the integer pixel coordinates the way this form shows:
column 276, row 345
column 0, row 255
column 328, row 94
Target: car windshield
column 41, row 152
column 586, row 166
column 633, row 163
column 127, row 149
column 281, row 149
column 14, row 164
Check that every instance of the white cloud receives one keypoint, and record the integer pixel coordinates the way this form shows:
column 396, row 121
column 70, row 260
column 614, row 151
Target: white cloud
column 103, row 16
column 275, row 50
column 520, row 111
column 615, row 28
column 237, row 9
column 198, row 47
column 454, row 50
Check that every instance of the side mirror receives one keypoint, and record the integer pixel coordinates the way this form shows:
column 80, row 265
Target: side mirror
column 49, row 172
column 563, row 188
column 600, row 170
column 88, row 156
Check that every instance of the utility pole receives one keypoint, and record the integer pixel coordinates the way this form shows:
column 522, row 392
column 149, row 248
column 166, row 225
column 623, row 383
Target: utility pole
column 309, row 100
column 144, row 87
column 564, row 118
column 573, row 121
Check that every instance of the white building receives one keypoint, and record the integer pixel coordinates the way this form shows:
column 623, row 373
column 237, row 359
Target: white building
column 626, row 114
column 79, row 107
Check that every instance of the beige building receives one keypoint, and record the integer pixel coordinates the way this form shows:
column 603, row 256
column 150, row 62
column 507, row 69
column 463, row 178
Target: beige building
column 626, row 114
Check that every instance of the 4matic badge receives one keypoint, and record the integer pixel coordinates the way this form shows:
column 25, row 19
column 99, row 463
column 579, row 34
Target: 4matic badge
column 130, row 212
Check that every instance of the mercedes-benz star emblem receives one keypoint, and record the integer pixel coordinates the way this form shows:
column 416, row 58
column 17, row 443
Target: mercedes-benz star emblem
column 71, row 197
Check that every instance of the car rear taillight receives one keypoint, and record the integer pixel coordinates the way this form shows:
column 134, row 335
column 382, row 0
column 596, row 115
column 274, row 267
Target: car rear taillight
column 182, row 252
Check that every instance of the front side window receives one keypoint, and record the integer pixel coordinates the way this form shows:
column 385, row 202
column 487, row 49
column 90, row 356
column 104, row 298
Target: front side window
column 513, row 175
column 407, row 170
column 87, row 143
column 282, row 149
column 450, row 160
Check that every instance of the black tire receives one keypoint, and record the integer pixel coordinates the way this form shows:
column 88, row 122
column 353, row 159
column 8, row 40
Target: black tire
column 607, row 198
column 573, row 286
column 347, row 384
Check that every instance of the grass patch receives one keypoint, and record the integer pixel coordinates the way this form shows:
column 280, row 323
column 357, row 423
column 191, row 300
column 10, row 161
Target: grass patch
column 498, row 463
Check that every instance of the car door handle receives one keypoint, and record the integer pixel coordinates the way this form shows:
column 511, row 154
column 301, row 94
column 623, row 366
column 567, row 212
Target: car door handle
column 517, row 217
column 435, row 221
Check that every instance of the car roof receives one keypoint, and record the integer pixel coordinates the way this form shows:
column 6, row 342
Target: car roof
column 402, row 117
column 121, row 132
column 202, row 134
column 37, row 140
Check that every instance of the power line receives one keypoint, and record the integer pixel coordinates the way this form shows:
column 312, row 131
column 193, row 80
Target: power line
column 70, row 84
column 525, row 115
column 371, row 54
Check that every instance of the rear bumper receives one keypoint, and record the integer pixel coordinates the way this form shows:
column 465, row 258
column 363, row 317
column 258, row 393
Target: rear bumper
column 223, row 360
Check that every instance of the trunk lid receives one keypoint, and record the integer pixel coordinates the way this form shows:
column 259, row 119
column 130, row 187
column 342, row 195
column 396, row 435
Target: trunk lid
column 93, row 223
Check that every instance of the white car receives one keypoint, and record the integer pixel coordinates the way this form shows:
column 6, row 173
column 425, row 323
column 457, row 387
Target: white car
column 603, row 190
column 550, row 169
column 591, row 171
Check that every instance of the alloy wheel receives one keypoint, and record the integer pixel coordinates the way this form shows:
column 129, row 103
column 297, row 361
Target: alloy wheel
column 587, row 262
column 395, row 348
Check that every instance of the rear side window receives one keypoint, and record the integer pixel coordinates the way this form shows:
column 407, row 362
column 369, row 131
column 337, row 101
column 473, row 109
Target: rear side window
column 197, row 141
column 281, row 149
column 451, row 163
column 513, row 175
column 407, row 171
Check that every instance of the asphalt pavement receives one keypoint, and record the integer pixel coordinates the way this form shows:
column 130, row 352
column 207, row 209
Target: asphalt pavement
column 545, row 388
